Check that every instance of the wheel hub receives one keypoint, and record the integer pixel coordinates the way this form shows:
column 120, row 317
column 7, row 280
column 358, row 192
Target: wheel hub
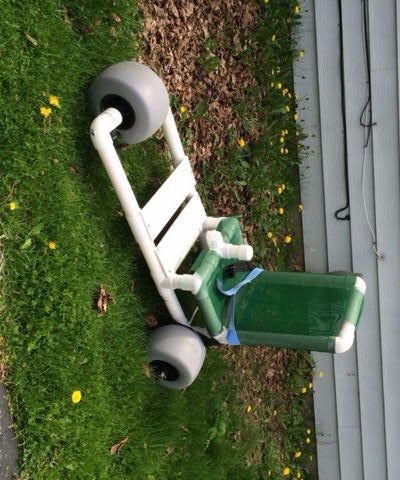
column 127, row 112
column 163, row 371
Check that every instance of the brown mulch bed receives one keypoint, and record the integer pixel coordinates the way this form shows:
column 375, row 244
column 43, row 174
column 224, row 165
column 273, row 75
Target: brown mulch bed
column 175, row 39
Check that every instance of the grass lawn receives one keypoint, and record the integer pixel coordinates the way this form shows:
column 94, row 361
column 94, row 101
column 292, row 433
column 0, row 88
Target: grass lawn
column 62, row 235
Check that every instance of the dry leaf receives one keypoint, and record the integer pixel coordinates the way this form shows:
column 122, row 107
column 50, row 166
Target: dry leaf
column 168, row 451
column 102, row 301
column 115, row 448
column 113, row 32
column 114, row 17
column 84, row 29
column 32, row 40
column 151, row 320
column 124, row 147
column 67, row 20
column 147, row 370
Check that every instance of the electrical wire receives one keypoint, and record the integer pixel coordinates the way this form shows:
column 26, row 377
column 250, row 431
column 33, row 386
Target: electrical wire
column 367, row 123
column 366, row 116
column 343, row 110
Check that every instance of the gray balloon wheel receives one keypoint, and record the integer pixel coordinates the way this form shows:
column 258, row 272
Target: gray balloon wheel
column 176, row 355
column 138, row 93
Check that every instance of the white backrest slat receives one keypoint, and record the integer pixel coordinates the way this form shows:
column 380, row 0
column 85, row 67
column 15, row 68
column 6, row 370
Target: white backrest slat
column 180, row 237
column 169, row 197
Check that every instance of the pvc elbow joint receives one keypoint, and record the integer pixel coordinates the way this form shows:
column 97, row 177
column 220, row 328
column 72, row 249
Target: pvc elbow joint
column 102, row 126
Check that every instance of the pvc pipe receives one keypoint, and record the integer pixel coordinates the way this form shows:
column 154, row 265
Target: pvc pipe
column 213, row 240
column 173, row 139
column 211, row 223
column 345, row 338
column 100, row 131
column 102, row 126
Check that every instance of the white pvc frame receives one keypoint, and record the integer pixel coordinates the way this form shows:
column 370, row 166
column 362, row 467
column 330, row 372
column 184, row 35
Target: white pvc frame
column 179, row 190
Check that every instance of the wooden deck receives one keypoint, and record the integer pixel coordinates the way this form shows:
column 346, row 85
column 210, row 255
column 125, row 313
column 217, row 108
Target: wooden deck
column 346, row 64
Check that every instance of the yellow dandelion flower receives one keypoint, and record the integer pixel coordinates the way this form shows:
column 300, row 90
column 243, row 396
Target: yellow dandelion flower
column 280, row 190
column 296, row 9
column 53, row 100
column 300, row 207
column 45, row 111
column 248, row 409
column 51, row 245
column 310, row 385
column 282, row 139
column 287, row 108
column 308, row 440
column 297, row 454
column 286, row 150
column 301, row 53
column 285, row 91
column 269, row 473
column 274, row 413
column 283, row 186
column 320, row 374
column 241, row 143
column 282, row 150
column 286, row 471
column 303, row 390
column 272, row 84
column 287, row 239
column 279, row 85
column 182, row 109
column 76, row 396
column 11, row 206
column 273, row 38
column 295, row 117
column 266, row 1
column 270, row 234
column 298, row 475
column 273, row 71
column 308, row 431
column 281, row 210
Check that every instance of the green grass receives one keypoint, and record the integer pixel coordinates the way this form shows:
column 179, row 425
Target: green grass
column 53, row 341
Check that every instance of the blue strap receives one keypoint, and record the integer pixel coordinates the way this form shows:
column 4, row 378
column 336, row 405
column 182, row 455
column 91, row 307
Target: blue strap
column 232, row 337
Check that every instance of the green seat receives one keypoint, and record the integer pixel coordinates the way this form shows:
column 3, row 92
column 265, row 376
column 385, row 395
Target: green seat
column 308, row 311
column 299, row 310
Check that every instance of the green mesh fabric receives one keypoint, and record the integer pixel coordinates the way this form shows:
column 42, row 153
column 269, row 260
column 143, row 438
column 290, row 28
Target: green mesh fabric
column 296, row 310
